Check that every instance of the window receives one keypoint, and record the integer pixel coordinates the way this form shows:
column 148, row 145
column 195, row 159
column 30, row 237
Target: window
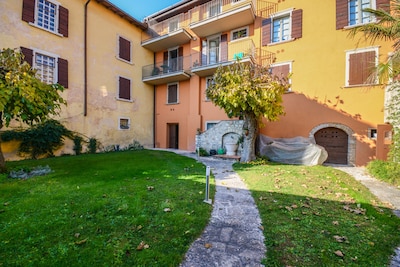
column 240, row 33
column 124, row 49
column 236, row 1
column 173, row 60
column 360, row 65
column 124, row 123
column 47, row 15
column 282, row 27
column 356, row 13
column 351, row 12
column 209, row 81
column 210, row 124
column 50, row 68
column 172, row 93
column 124, row 89
column 282, row 70
column 45, row 67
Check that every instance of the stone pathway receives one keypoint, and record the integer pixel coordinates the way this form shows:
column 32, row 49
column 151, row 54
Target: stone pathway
column 233, row 236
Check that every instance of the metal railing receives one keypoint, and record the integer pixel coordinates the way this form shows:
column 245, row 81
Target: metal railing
column 166, row 67
column 241, row 49
column 176, row 23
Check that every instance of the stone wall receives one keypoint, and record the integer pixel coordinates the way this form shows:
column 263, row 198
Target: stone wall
column 220, row 134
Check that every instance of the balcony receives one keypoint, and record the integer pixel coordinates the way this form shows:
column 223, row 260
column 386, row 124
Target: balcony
column 206, row 63
column 221, row 15
column 167, row 33
column 171, row 70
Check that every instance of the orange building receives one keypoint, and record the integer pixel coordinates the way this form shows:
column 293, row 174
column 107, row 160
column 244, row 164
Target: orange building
column 332, row 99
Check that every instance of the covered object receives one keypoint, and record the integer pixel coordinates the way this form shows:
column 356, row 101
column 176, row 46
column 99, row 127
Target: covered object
column 297, row 150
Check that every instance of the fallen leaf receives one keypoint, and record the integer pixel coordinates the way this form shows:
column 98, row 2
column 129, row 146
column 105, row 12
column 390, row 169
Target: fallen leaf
column 141, row 246
column 81, row 242
column 150, row 188
column 6, row 203
column 77, row 235
column 335, row 223
column 340, row 239
column 208, row 245
column 339, row 253
column 167, row 210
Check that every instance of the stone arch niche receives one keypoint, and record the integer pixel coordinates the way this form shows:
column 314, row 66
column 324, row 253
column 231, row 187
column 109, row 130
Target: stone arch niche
column 338, row 140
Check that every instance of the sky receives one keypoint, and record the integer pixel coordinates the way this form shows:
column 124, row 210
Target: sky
column 139, row 9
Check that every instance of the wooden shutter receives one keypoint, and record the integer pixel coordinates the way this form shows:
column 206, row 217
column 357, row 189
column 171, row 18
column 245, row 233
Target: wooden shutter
column 224, row 47
column 180, row 58
column 281, row 71
column 172, row 93
column 28, row 55
column 342, row 14
column 124, row 88
column 124, row 49
column 28, row 11
column 63, row 72
column 297, row 23
column 383, row 4
column 360, row 67
column 266, row 31
column 63, row 15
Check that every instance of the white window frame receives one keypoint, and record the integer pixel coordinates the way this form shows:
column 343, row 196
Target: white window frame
column 177, row 94
column 39, row 69
column 279, row 16
column 356, row 51
column 359, row 20
column 120, row 119
column 238, row 30
column 130, row 88
column 56, row 17
column 131, row 49
column 210, row 122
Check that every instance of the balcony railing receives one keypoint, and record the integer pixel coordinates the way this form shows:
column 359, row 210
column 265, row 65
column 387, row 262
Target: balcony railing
column 168, row 67
column 168, row 26
column 214, row 8
column 241, row 49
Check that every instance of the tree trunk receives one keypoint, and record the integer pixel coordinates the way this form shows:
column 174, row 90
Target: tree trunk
column 249, row 141
column 2, row 160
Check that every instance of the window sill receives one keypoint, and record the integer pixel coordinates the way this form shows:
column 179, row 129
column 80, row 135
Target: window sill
column 282, row 42
column 124, row 100
column 44, row 29
column 360, row 85
column 169, row 104
column 124, row 60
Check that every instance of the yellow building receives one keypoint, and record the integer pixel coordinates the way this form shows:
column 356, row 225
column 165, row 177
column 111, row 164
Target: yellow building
column 331, row 98
column 94, row 50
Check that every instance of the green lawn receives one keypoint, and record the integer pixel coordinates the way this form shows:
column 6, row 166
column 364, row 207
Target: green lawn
column 133, row 208
column 320, row 216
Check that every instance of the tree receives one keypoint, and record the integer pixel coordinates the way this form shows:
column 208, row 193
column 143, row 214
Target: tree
column 250, row 92
column 23, row 96
column 387, row 27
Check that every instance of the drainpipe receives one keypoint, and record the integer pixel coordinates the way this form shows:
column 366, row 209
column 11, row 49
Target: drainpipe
column 154, row 107
column 85, row 63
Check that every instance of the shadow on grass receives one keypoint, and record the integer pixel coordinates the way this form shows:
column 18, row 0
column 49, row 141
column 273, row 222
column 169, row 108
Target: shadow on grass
column 319, row 216
column 134, row 208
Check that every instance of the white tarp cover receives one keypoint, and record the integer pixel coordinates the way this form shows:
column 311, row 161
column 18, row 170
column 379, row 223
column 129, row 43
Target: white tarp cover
column 296, row 150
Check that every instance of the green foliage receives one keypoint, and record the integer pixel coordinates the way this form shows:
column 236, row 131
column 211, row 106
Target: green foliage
column 202, row 152
column 95, row 210
column 387, row 171
column 311, row 213
column 77, row 144
column 242, row 89
column 41, row 139
column 92, row 145
column 135, row 146
column 22, row 95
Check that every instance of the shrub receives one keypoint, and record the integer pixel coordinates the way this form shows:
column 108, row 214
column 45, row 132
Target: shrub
column 387, row 171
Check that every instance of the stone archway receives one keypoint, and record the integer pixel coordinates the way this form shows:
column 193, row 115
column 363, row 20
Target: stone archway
column 338, row 140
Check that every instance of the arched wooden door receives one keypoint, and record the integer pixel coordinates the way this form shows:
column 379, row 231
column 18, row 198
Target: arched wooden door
column 335, row 141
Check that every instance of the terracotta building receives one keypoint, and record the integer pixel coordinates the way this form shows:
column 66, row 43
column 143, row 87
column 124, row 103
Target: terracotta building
column 332, row 98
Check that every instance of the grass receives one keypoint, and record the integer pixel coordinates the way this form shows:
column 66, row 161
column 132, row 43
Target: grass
column 387, row 171
column 133, row 208
column 319, row 216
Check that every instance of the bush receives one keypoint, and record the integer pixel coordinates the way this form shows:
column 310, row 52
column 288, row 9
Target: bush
column 202, row 152
column 387, row 171
column 39, row 140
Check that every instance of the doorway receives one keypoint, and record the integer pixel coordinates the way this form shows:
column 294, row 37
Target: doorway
column 173, row 135
column 335, row 141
